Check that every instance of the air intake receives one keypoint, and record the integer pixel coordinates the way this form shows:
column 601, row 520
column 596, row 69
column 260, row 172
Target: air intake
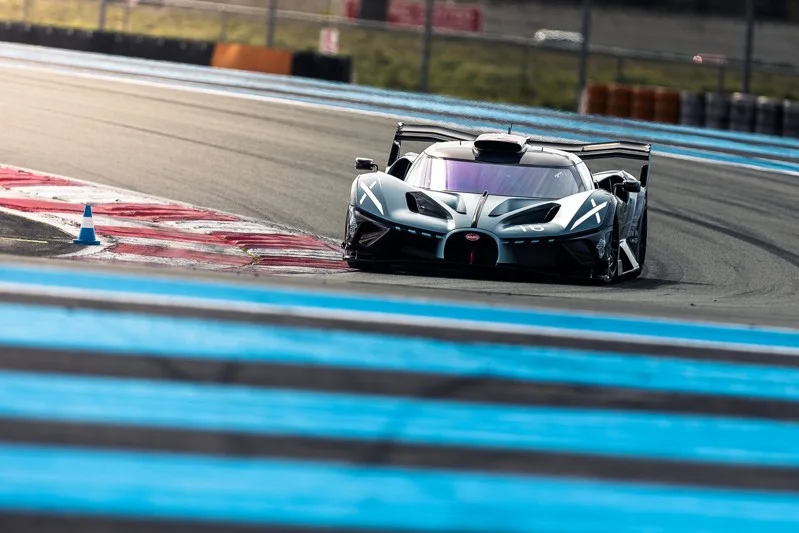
column 500, row 143
column 538, row 215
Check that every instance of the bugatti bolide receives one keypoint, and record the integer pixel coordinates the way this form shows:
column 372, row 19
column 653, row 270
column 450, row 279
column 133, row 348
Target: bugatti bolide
column 500, row 200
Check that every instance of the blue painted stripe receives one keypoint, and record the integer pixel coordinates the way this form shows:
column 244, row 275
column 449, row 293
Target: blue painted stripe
column 376, row 418
column 161, row 336
column 705, row 153
column 302, row 300
column 99, row 482
column 547, row 123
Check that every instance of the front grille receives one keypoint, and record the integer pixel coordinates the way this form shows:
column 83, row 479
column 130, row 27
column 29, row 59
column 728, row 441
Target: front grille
column 482, row 252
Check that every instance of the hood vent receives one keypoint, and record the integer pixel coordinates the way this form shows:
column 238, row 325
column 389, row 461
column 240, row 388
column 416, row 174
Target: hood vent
column 539, row 214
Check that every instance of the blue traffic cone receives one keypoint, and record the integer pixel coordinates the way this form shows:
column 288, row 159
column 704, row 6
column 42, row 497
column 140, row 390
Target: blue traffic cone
column 87, row 235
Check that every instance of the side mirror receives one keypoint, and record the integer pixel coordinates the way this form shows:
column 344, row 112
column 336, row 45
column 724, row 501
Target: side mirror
column 644, row 174
column 631, row 186
column 364, row 163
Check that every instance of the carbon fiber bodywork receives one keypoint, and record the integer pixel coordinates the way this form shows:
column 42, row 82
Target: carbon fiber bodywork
column 598, row 233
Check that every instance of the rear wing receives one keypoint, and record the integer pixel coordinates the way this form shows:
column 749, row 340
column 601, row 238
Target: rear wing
column 424, row 133
column 628, row 150
column 585, row 151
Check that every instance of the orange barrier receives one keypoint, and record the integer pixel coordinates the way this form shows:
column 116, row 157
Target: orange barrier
column 620, row 99
column 594, row 100
column 643, row 103
column 252, row 58
column 667, row 106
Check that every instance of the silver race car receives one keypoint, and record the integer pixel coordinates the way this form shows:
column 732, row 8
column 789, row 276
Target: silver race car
column 497, row 200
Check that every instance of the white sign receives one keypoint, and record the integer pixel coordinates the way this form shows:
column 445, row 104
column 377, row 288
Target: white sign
column 328, row 41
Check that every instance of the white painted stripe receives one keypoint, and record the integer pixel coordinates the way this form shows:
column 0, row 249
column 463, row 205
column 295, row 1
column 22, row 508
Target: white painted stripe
column 206, row 226
column 281, row 269
column 85, row 194
column 101, row 221
column 182, row 245
column 111, row 257
column 294, row 252
column 87, row 223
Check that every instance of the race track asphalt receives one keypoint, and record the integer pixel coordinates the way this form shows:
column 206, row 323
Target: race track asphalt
column 723, row 241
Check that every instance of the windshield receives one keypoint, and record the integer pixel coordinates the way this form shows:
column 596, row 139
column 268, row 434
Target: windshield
column 503, row 180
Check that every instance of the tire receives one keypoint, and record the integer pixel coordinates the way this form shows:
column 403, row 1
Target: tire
column 642, row 246
column 611, row 274
column 641, row 255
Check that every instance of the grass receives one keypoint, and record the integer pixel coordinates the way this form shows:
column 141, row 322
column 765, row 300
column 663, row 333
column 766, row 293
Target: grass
column 458, row 67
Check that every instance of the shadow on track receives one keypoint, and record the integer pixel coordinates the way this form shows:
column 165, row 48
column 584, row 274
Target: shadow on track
column 518, row 276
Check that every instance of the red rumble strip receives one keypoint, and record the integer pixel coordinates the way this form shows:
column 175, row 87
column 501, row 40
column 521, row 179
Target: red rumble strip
column 133, row 227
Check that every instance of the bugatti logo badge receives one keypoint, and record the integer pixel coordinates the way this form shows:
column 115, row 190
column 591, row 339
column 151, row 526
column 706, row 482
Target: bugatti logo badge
column 472, row 237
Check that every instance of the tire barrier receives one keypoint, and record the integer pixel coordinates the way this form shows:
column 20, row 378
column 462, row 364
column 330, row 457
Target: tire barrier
column 252, row 58
column 66, row 38
column 204, row 53
column 667, row 106
column 717, row 111
column 692, row 108
column 620, row 99
column 742, row 112
column 643, row 104
column 594, row 100
column 790, row 119
column 768, row 116
column 739, row 112
column 316, row 65
column 16, row 32
column 103, row 42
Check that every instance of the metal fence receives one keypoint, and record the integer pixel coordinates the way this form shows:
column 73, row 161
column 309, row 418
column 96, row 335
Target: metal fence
column 508, row 59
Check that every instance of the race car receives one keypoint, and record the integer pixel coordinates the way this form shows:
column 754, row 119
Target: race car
column 500, row 200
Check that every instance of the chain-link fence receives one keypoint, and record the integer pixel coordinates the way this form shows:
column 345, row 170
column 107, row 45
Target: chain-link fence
column 504, row 50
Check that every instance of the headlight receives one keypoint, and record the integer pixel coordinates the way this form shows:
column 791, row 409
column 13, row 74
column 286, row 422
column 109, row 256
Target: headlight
column 424, row 205
column 363, row 230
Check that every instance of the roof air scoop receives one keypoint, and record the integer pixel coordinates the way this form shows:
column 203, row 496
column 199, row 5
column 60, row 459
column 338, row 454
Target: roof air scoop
column 500, row 144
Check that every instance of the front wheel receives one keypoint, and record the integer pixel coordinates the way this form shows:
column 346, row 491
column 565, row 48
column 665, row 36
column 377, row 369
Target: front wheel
column 641, row 247
column 611, row 270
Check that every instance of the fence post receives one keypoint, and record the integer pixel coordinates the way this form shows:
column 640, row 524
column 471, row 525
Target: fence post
column 270, row 24
column 523, row 82
column 619, row 69
column 750, row 40
column 126, row 16
column 428, row 38
column 722, row 76
column 223, row 15
column 101, row 15
column 26, row 10
column 586, row 34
